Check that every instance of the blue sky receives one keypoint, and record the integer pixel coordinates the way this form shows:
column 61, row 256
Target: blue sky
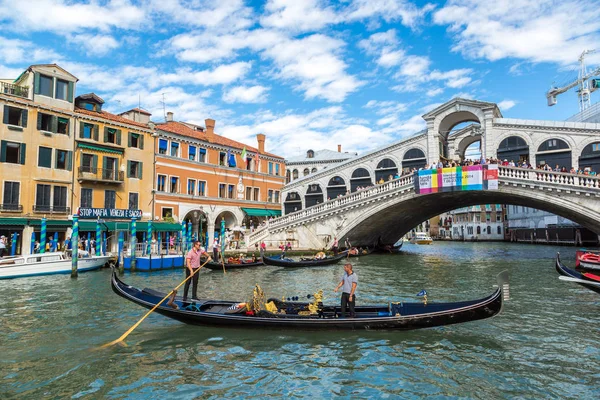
column 310, row 73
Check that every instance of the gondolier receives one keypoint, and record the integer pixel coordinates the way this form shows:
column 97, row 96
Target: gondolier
column 348, row 284
column 192, row 262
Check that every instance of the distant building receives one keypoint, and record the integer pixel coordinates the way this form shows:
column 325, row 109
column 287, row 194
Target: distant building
column 314, row 161
column 474, row 223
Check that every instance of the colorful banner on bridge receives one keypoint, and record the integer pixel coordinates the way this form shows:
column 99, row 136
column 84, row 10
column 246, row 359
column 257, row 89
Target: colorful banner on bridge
column 475, row 177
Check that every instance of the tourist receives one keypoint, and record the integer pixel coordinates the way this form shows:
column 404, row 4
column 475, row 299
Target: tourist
column 263, row 248
column 348, row 284
column 192, row 261
column 216, row 249
column 3, row 250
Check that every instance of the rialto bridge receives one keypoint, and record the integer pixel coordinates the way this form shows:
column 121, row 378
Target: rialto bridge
column 333, row 202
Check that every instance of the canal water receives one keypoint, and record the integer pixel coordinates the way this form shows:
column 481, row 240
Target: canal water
column 543, row 345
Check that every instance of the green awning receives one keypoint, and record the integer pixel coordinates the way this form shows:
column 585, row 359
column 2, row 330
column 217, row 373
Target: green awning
column 261, row 212
column 100, row 148
column 52, row 223
column 13, row 221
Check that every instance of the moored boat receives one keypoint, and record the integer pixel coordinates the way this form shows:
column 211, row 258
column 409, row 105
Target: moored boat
column 243, row 264
column 587, row 260
column 421, row 238
column 359, row 252
column 588, row 281
column 273, row 313
column 46, row 264
column 305, row 262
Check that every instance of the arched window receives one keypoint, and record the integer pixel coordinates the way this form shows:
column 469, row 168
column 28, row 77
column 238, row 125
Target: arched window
column 590, row 158
column 336, row 187
column 288, row 176
column 385, row 169
column 306, row 171
column 292, row 203
column 489, row 230
column 499, row 230
column 312, row 171
column 479, row 230
column 314, row 195
column 310, row 154
column 360, row 178
column 413, row 158
column 554, row 152
column 295, row 174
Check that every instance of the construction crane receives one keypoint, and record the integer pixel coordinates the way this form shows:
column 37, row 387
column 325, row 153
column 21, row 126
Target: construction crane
column 584, row 89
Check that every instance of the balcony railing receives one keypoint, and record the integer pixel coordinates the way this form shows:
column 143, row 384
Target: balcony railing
column 42, row 208
column 101, row 175
column 7, row 207
column 15, row 90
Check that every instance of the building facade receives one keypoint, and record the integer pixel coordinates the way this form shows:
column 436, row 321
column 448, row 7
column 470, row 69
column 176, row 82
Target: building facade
column 475, row 223
column 314, row 161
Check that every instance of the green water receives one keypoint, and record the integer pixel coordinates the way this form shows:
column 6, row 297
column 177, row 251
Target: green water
column 543, row 345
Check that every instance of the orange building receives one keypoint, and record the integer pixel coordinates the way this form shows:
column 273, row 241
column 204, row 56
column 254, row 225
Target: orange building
column 202, row 177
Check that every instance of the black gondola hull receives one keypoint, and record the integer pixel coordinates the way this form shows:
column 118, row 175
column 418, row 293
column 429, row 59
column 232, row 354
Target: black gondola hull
column 566, row 271
column 410, row 316
column 218, row 266
column 304, row 263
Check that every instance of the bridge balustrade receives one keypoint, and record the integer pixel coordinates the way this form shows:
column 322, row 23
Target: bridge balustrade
column 558, row 178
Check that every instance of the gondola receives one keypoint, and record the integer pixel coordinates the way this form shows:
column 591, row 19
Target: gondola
column 587, row 260
column 218, row 266
column 365, row 252
column 577, row 277
column 316, row 316
column 289, row 263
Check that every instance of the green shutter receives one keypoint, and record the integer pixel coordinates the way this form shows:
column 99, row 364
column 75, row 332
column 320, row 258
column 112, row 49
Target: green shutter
column 81, row 129
column 3, row 151
column 39, row 121
column 5, row 117
column 36, row 83
column 105, row 134
column 140, row 167
column 69, row 160
column 119, row 137
column 24, row 114
column 95, row 162
column 96, row 134
column 104, row 162
column 141, row 141
column 70, row 88
column 54, row 124
column 23, row 149
column 128, row 168
column 129, row 139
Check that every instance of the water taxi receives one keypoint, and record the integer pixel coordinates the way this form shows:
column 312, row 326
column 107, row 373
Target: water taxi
column 421, row 238
column 47, row 264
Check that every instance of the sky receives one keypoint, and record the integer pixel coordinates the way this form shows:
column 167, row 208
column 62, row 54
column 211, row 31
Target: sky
column 310, row 74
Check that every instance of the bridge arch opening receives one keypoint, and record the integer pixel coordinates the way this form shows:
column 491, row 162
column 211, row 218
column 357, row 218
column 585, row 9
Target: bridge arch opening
column 336, row 187
column 295, row 174
column 454, row 123
column 590, row 158
column 314, row 195
column 312, row 171
column 305, row 172
column 199, row 221
column 360, row 178
column 513, row 148
column 554, row 152
column 230, row 221
column 292, row 203
column 385, row 169
column 413, row 158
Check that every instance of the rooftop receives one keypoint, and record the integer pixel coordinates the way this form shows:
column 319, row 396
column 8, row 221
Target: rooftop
column 321, row 155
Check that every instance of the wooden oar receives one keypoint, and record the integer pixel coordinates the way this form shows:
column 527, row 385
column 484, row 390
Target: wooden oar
column 123, row 336
column 581, row 281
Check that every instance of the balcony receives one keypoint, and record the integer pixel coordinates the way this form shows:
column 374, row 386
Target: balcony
column 14, row 208
column 92, row 174
column 14, row 90
column 47, row 209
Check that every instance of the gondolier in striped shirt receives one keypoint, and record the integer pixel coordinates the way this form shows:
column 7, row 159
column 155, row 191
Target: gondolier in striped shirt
column 192, row 262
column 348, row 285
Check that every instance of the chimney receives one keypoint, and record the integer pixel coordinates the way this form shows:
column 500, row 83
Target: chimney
column 210, row 128
column 169, row 116
column 261, row 142
column 339, row 148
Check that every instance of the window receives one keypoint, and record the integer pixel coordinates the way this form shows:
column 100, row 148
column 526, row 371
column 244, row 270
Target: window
column 88, row 163
column 110, row 199
column 45, row 87
column 136, row 140
column 276, row 200
column 313, row 170
column 222, row 188
column 277, row 169
column 42, row 198
column 596, row 147
column 499, row 229
column 10, row 201
column 62, row 89
column 60, row 199
column 161, row 183
column 191, row 187
column 295, row 174
column 133, row 201
column 192, row 152
column 167, row 212
column 86, row 198
column 488, row 216
column 174, row 187
column 479, row 230
column 174, row 149
column 11, row 152
column 489, row 230
column 202, row 155
column 89, row 106
column 256, row 194
column 88, row 131
column 305, row 172
column 162, row 146
column 249, row 163
column 112, row 135
column 201, row 188
column 230, row 191
column 134, row 169
column 270, row 168
column 62, row 126
column 63, row 159
column 45, row 157
column 222, row 158
column 109, row 170
column 248, row 193
column 15, row 116
column 270, row 196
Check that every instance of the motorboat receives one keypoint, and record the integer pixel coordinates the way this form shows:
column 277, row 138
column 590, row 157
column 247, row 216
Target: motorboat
column 48, row 264
column 587, row 260
column 421, row 238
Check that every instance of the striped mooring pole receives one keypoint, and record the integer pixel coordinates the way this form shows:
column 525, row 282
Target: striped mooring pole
column 98, row 238
column 43, row 236
column 133, row 242
column 74, row 246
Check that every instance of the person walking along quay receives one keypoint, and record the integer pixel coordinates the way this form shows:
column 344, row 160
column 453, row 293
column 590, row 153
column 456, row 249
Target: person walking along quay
column 348, row 284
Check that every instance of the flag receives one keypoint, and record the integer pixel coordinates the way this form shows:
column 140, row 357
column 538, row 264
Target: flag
column 422, row 293
column 227, row 157
column 244, row 156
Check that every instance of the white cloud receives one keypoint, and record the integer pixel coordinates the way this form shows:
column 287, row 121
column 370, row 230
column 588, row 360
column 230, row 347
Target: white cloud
column 245, row 94
column 16, row 51
column 389, row 10
column 434, row 92
column 97, row 45
column 531, row 30
column 506, row 105
column 297, row 16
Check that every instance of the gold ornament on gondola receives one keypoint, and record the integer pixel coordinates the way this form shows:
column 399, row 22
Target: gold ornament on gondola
column 315, row 306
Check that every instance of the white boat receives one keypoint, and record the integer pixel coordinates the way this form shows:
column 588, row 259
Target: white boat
column 421, row 238
column 47, row 264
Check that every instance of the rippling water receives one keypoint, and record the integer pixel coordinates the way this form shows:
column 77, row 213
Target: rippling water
column 543, row 345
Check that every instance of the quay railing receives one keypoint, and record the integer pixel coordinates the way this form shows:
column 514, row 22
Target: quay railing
column 14, row 90
column 100, row 174
column 10, row 207
column 37, row 208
